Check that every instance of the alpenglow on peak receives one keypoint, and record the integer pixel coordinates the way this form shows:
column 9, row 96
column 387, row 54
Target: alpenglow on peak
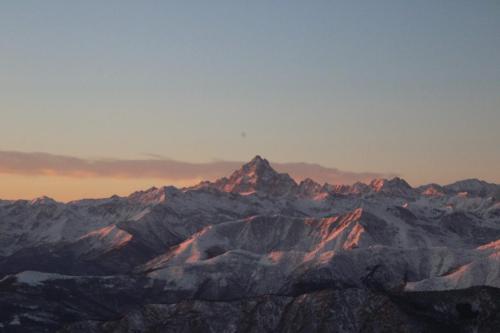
column 257, row 176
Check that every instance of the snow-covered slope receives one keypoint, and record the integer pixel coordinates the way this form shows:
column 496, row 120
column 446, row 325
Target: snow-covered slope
column 258, row 232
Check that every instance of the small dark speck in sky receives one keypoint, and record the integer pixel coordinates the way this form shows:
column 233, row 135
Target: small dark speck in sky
column 243, row 134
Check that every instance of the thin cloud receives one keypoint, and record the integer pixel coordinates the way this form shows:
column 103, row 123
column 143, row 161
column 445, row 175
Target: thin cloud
column 44, row 164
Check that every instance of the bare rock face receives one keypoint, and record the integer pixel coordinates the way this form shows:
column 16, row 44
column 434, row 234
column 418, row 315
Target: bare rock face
column 256, row 252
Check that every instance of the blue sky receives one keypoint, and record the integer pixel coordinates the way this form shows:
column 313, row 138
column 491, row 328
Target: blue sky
column 409, row 87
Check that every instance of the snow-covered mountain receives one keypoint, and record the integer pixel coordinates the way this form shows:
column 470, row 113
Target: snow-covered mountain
column 261, row 247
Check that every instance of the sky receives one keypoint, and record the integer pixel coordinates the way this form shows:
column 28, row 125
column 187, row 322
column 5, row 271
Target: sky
column 408, row 88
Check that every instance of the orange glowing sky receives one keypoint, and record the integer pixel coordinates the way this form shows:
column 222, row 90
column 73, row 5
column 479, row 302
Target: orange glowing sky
column 68, row 188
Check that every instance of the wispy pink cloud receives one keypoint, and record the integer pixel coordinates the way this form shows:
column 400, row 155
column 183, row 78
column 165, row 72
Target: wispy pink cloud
column 36, row 163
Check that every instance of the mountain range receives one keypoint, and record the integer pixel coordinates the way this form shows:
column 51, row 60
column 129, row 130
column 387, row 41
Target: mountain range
column 256, row 252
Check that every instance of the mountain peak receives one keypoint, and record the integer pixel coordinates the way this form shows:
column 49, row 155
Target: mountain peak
column 258, row 159
column 394, row 186
column 471, row 183
column 154, row 195
column 258, row 165
column 475, row 187
column 43, row 200
column 309, row 187
column 257, row 176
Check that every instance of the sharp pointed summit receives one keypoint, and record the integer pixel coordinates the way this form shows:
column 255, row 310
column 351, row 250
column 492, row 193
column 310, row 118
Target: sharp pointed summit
column 257, row 176
column 258, row 165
